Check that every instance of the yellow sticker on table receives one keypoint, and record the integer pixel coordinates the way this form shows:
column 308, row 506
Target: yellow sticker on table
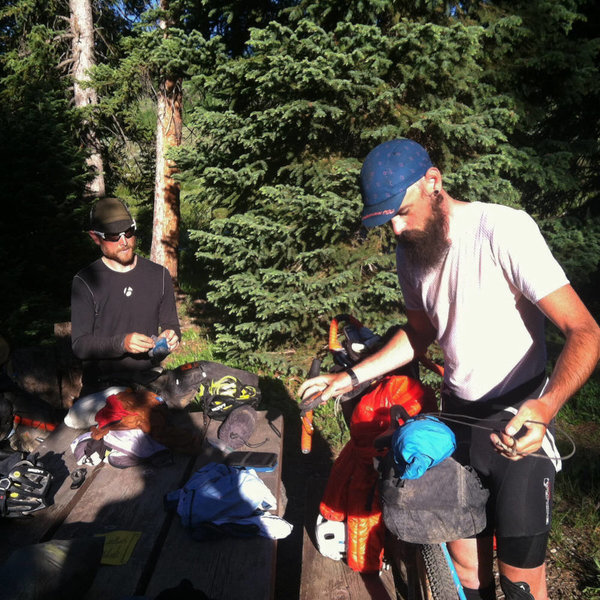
column 118, row 546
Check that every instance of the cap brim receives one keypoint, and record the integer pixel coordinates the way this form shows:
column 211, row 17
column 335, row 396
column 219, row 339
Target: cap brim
column 117, row 226
column 381, row 213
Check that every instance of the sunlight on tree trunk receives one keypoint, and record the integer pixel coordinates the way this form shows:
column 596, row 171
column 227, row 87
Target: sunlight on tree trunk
column 82, row 28
column 165, row 226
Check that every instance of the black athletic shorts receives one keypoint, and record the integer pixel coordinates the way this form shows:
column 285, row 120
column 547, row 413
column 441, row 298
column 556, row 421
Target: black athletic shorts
column 519, row 509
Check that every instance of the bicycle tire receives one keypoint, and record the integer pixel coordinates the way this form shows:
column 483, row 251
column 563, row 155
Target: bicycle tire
column 439, row 576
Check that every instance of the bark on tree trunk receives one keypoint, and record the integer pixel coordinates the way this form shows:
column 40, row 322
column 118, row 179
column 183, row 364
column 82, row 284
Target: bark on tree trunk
column 82, row 28
column 165, row 227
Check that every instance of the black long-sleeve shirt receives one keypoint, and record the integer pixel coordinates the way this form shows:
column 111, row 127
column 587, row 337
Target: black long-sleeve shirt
column 106, row 305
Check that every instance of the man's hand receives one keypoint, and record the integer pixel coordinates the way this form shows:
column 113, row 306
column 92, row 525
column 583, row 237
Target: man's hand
column 172, row 339
column 530, row 421
column 137, row 343
column 332, row 384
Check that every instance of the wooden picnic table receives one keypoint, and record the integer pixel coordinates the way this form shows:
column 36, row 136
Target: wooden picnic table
column 131, row 500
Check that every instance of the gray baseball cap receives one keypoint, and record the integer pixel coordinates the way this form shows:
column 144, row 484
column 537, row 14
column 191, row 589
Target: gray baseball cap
column 110, row 215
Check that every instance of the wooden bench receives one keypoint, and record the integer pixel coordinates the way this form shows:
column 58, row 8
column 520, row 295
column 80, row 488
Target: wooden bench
column 132, row 500
column 327, row 579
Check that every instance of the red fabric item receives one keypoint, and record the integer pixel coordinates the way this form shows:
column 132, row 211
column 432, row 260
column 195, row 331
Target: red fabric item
column 352, row 492
column 112, row 412
column 143, row 410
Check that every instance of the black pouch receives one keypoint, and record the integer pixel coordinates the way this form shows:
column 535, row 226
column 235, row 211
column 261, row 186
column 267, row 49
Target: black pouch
column 236, row 430
column 446, row 503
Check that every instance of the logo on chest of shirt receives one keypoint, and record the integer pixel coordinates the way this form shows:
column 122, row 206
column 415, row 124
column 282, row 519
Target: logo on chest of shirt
column 128, row 291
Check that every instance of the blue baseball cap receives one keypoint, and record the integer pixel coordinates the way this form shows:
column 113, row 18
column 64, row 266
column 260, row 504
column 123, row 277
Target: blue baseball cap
column 388, row 171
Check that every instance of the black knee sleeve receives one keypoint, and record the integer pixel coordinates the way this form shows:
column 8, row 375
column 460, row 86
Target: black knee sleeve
column 488, row 593
column 523, row 552
column 515, row 591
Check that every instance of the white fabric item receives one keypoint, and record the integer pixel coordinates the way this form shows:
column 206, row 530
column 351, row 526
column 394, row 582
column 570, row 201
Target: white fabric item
column 253, row 487
column 133, row 441
column 482, row 299
column 82, row 414
column 217, row 491
column 269, row 526
column 128, row 441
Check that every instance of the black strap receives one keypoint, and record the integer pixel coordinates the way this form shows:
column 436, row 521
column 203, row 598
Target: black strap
column 398, row 412
column 353, row 377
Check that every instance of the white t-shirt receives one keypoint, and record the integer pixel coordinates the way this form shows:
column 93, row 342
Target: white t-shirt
column 481, row 300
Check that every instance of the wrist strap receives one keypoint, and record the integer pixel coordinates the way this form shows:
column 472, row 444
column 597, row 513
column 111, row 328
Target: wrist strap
column 353, row 377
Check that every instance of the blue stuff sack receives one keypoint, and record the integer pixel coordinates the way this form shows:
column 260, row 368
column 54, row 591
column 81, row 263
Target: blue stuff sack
column 419, row 444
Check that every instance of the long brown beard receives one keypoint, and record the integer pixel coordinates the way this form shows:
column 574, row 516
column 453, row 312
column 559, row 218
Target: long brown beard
column 425, row 249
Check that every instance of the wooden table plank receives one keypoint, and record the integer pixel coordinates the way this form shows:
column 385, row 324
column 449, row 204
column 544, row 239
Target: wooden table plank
column 243, row 569
column 131, row 500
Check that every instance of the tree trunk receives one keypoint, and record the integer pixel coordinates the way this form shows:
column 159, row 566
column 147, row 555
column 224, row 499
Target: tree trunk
column 165, row 226
column 82, row 28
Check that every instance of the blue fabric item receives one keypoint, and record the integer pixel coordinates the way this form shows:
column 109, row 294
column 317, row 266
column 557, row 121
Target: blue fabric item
column 421, row 443
column 387, row 172
column 217, row 491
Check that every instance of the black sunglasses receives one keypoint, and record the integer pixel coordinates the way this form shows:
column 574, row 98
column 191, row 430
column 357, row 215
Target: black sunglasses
column 115, row 237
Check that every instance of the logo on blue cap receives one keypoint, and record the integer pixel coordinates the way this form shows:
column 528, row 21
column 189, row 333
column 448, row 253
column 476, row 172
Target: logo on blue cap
column 388, row 171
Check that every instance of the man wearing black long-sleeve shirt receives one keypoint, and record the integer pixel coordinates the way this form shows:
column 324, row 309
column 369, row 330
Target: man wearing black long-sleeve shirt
column 119, row 302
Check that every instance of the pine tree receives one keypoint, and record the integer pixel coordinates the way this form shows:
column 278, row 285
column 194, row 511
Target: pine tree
column 140, row 112
column 82, row 31
column 275, row 168
column 42, row 178
column 281, row 133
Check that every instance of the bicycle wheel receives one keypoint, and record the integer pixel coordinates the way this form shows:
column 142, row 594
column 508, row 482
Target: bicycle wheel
column 439, row 576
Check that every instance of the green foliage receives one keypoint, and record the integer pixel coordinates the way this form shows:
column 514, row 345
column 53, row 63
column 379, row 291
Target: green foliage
column 503, row 94
column 592, row 592
column 575, row 241
column 280, row 133
column 41, row 183
column 275, row 163
column 193, row 346
column 584, row 406
column 231, row 20
column 125, row 116
column 545, row 54
column 329, row 421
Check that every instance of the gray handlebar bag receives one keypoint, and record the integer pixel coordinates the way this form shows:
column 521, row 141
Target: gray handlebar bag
column 446, row 503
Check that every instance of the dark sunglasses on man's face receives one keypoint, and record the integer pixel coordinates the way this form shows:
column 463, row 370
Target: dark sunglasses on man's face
column 115, row 237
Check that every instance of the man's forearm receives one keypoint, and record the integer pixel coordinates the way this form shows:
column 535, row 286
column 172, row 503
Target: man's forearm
column 396, row 353
column 574, row 366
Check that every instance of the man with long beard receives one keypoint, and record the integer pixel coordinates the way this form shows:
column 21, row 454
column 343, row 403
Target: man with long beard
column 480, row 280
column 119, row 302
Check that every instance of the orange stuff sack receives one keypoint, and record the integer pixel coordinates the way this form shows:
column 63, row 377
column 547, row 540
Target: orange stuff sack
column 351, row 493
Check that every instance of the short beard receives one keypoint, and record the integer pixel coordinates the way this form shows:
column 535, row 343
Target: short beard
column 120, row 255
column 426, row 249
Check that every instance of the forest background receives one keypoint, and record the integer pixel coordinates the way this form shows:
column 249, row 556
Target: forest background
column 277, row 102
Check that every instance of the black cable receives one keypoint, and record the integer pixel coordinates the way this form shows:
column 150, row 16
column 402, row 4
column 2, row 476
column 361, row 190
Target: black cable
column 459, row 419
